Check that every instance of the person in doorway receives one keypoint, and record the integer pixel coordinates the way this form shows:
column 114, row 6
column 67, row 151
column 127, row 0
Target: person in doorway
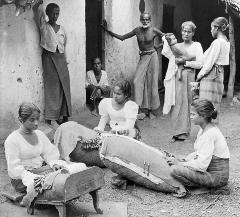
column 55, row 71
column 215, row 58
column 97, row 86
column 147, row 73
column 182, row 96
column 208, row 165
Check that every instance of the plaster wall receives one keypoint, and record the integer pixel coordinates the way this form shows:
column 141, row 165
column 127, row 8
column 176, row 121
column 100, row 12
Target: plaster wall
column 20, row 59
column 121, row 56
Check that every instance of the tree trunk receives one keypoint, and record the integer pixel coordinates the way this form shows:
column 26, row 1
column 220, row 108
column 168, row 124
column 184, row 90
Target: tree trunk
column 232, row 59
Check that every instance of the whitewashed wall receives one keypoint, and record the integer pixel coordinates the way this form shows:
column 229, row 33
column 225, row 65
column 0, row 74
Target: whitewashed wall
column 20, row 59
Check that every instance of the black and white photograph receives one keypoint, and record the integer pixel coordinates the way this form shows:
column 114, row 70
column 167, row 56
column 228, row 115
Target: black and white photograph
column 119, row 108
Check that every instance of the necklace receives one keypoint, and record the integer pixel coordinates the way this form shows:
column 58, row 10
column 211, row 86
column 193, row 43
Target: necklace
column 25, row 131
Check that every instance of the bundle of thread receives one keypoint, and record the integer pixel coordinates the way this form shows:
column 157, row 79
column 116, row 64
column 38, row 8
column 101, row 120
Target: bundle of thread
column 90, row 144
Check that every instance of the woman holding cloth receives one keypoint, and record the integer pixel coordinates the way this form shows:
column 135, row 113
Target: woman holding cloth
column 215, row 57
column 182, row 97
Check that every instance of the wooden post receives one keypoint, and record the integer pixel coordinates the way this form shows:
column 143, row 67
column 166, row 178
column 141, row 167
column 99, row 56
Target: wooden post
column 232, row 59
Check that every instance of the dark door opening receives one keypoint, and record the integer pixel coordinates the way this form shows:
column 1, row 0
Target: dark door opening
column 168, row 26
column 94, row 35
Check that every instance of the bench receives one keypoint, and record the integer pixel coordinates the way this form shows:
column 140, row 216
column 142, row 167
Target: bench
column 66, row 187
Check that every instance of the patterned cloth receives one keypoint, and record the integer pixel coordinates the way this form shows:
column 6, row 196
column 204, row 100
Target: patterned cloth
column 211, row 86
column 180, row 113
column 217, row 174
column 146, row 81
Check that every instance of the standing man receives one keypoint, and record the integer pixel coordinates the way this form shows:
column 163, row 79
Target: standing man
column 146, row 75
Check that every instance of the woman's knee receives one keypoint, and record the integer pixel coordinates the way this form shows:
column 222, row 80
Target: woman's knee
column 174, row 170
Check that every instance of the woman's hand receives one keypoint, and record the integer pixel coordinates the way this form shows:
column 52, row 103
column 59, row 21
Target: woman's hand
column 56, row 167
column 172, row 161
column 199, row 77
column 180, row 60
column 120, row 132
column 98, row 130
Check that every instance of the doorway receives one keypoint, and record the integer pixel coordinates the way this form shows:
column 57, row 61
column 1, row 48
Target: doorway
column 94, row 36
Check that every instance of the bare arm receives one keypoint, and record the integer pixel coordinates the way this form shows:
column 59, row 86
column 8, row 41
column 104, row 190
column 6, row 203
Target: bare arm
column 36, row 6
column 120, row 37
column 38, row 14
column 158, row 32
column 160, row 35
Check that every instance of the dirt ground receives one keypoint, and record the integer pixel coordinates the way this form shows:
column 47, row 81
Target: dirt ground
column 143, row 202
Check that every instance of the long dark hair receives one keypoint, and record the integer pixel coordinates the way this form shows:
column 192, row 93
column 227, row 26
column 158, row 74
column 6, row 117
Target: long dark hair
column 125, row 87
column 221, row 23
column 205, row 109
column 25, row 110
column 50, row 7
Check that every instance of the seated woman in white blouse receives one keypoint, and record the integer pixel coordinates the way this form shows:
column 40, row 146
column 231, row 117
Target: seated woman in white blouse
column 27, row 149
column 208, row 165
column 119, row 111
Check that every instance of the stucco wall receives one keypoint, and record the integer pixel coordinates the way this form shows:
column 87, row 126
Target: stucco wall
column 20, row 59
column 121, row 57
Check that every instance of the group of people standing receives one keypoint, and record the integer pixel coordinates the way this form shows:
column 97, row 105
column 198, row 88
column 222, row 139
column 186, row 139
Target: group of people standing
column 210, row 77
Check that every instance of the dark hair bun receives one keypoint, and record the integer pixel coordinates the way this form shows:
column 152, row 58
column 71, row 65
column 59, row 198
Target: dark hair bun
column 214, row 114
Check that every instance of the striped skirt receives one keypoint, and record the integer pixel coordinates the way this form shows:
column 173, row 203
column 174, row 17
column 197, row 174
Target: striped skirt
column 216, row 176
column 211, row 86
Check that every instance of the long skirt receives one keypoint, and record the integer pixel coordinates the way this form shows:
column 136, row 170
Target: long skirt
column 20, row 187
column 180, row 113
column 211, row 86
column 216, row 176
column 56, row 86
column 93, row 99
column 146, row 82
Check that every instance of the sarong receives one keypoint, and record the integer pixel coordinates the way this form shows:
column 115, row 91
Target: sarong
column 211, row 86
column 146, row 81
column 216, row 176
column 180, row 113
column 56, row 86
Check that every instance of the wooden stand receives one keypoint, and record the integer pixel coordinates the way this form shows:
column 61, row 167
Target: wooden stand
column 66, row 188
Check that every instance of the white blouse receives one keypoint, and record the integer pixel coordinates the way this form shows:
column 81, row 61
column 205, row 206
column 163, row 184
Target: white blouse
column 217, row 53
column 21, row 156
column 91, row 79
column 195, row 49
column 122, row 119
column 207, row 144
column 50, row 40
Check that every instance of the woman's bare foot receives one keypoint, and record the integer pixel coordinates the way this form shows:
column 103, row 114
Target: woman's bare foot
column 141, row 116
